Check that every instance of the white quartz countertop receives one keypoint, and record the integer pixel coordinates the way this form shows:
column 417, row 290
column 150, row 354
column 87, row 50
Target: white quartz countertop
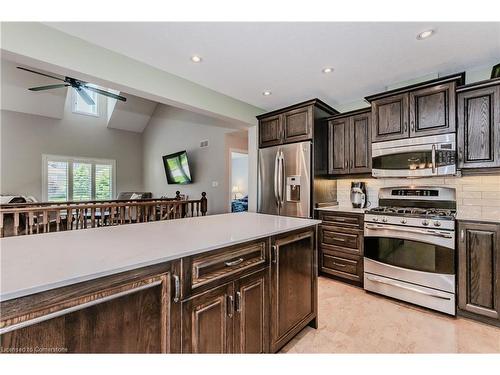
column 40, row 262
column 349, row 209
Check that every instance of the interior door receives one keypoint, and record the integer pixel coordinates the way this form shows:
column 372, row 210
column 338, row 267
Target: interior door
column 267, row 200
column 296, row 180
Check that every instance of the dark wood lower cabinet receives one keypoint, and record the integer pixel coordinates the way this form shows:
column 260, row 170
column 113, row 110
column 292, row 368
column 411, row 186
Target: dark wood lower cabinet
column 207, row 324
column 133, row 316
column 479, row 270
column 293, row 286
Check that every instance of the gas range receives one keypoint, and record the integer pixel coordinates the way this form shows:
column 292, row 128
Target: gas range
column 409, row 250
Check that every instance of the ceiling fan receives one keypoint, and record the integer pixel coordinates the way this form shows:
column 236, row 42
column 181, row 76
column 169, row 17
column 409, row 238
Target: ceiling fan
column 79, row 86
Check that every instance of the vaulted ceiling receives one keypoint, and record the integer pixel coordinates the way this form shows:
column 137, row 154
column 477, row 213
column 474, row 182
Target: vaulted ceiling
column 244, row 59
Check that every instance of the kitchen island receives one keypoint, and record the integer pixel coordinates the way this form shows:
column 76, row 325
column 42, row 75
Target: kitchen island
column 232, row 283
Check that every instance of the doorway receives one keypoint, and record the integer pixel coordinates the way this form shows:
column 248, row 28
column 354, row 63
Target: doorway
column 239, row 180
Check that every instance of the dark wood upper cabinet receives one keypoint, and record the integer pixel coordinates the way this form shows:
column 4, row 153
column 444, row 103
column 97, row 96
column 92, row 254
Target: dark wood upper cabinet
column 423, row 109
column 251, row 319
column 298, row 124
column 478, row 132
column 349, row 140
column 360, row 145
column 295, row 123
column 390, row 118
column 207, row 324
column 432, row 110
column 479, row 269
column 338, row 139
column 270, row 132
column 293, row 285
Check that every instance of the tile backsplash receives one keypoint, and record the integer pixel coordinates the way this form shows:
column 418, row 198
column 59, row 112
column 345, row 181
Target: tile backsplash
column 478, row 197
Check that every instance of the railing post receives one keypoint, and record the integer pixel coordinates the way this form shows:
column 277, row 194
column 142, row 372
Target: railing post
column 177, row 195
column 203, row 204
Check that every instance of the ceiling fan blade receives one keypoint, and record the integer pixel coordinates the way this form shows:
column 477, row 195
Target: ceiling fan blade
column 106, row 93
column 84, row 95
column 42, row 74
column 40, row 88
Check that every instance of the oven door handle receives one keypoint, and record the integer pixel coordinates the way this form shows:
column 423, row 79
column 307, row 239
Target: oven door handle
column 398, row 285
column 416, row 231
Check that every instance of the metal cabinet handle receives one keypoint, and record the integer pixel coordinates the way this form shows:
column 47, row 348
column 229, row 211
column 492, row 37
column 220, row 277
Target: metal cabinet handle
column 82, row 306
column 398, row 285
column 177, row 288
column 234, row 262
column 275, row 254
column 238, row 301
column 230, row 306
column 462, row 235
column 412, row 126
column 339, row 264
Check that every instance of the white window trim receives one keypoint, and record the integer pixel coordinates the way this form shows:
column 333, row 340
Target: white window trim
column 75, row 97
column 71, row 160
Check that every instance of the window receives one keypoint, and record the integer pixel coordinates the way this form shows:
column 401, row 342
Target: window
column 81, row 107
column 77, row 179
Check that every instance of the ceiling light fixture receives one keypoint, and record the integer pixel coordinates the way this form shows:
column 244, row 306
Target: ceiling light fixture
column 327, row 70
column 425, row 34
column 266, row 93
column 195, row 58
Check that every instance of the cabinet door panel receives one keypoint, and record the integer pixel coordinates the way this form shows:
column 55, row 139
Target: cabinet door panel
column 432, row 110
column 338, row 142
column 293, row 291
column 251, row 321
column 207, row 322
column 134, row 321
column 479, row 269
column 270, row 131
column 390, row 118
column 479, row 128
column 360, row 144
column 297, row 124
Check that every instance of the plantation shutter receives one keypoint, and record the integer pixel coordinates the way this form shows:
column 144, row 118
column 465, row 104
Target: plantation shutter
column 57, row 181
column 103, row 183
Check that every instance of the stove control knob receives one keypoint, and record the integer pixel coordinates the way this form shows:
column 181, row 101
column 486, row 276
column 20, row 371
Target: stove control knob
column 384, row 219
column 403, row 221
column 425, row 222
column 375, row 219
column 437, row 224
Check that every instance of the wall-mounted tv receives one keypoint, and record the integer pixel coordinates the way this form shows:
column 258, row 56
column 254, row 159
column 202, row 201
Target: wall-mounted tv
column 177, row 168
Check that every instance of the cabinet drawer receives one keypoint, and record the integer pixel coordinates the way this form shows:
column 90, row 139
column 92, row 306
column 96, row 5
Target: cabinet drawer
column 342, row 265
column 208, row 268
column 340, row 237
column 342, row 220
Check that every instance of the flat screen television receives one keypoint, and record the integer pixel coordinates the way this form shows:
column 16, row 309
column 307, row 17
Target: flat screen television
column 177, row 168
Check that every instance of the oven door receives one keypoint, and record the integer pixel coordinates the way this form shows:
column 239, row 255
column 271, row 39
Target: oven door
column 405, row 159
column 418, row 249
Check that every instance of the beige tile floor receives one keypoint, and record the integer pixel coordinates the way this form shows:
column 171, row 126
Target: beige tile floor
column 353, row 321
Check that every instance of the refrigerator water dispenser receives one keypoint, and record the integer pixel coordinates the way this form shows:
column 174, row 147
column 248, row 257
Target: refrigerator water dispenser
column 293, row 188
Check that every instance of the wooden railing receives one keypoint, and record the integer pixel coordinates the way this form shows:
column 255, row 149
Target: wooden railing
column 31, row 218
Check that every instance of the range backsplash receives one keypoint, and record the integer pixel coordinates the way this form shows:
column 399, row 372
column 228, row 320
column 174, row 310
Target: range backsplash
column 478, row 197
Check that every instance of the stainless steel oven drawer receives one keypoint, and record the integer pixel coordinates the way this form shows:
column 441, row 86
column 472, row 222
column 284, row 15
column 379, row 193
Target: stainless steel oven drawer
column 413, row 293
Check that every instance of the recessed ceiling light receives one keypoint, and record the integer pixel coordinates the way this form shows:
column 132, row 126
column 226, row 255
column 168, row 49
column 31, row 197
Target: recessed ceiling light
column 195, row 58
column 266, row 93
column 327, row 70
column 425, row 34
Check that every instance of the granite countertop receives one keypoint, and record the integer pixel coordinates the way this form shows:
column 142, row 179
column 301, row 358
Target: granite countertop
column 349, row 209
column 39, row 262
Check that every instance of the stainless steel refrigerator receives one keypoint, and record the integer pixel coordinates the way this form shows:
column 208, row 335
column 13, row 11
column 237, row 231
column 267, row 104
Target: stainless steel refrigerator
column 284, row 180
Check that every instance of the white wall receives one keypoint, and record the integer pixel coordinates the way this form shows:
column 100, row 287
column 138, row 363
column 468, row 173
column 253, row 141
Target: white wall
column 25, row 137
column 170, row 130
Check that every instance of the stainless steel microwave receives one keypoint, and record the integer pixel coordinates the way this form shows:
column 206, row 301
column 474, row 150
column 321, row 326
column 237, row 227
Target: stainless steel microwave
column 415, row 157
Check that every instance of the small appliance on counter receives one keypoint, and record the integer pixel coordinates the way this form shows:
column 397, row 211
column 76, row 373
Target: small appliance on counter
column 358, row 194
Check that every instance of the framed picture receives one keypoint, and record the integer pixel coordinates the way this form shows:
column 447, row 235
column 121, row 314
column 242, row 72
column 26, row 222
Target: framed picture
column 495, row 72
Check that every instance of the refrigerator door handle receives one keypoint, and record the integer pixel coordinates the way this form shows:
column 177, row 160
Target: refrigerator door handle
column 283, row 181
column 276, row 175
